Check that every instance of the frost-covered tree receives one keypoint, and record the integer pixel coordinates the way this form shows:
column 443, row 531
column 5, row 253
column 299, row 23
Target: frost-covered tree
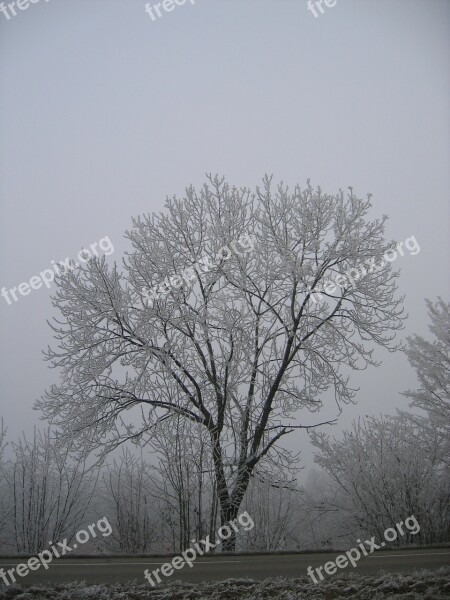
column 273, row 504
column 431, row 360
column 127, row 495
column 50, row 492
column 381, row 473
column 235, row 340
column 184, row 485
column 5, row 499
column 2, row 439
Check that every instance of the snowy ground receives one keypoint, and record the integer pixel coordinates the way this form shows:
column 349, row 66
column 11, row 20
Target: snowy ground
column 428, row 585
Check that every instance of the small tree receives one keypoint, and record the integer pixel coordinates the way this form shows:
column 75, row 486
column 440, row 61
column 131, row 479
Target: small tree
column 5, row 497
column 382, row 473
column 127, row 492
column 50, row 490
column 273, row 502
column 431, row 360
column 185, row 482
column 236, row 341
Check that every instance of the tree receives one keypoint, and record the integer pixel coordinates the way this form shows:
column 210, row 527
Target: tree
column 127, row 491
column 382, row 473
column 273, row 504
column 431, row 360
column 235, row 338
column 50, row 490
column 5, row 503
column 185, row 483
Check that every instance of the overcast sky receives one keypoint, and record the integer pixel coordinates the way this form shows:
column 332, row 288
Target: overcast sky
column 104, row 112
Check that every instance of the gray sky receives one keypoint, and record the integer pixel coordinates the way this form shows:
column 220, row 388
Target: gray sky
column 104, row 112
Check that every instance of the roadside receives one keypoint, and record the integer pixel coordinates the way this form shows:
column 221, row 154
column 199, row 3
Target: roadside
column 415, row 586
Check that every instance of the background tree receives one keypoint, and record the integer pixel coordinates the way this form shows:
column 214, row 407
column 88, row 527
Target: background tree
column 184, row 482
column 431, row 360
column 237, row 346
column 381, row 473
column 5, row 499
column 50, row 492
column 127, row 494
column 273, row 503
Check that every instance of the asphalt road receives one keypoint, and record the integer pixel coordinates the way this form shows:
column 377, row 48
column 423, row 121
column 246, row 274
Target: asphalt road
column 113, row 570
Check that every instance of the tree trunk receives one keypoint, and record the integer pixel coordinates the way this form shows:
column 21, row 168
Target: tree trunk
column 227, row 514
column 213, row 516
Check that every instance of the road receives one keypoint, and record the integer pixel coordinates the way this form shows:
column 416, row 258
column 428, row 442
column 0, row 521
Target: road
column 114, row 570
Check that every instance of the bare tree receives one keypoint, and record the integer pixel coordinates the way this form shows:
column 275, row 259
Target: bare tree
column 185, row 481
column 2, row 438
column 50, row 491
column 381, row 473
column 127, row 492
column 5, row 499
column 431, row 360
column 237, row 344
column 272, row 502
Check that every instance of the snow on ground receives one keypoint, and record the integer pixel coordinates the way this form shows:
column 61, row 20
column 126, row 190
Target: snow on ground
column 421, row 585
